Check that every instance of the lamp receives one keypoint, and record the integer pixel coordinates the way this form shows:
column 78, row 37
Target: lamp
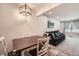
column 25, row 10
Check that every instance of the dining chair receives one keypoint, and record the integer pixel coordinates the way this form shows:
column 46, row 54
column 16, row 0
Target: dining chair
column 41, row 49
column 42, row 46
column 3, row 47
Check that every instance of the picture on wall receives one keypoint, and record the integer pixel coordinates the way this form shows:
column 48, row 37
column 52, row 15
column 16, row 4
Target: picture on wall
column 50, row 24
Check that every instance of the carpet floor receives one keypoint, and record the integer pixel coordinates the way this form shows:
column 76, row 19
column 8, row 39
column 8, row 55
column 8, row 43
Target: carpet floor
column 69, row 46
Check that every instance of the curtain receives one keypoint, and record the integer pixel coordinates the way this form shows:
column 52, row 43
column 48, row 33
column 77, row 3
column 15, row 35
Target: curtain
column 72, row 26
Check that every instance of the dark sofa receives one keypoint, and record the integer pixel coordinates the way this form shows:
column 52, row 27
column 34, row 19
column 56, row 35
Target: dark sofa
column 56, row 37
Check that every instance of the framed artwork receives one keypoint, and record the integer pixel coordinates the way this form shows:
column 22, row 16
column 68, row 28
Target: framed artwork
column 50, row 24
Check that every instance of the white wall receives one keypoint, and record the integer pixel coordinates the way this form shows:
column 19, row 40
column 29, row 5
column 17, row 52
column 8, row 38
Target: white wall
column 62, row 27
column 56, row 24
column 34, row 27
column 14, row 25
column 44, row 20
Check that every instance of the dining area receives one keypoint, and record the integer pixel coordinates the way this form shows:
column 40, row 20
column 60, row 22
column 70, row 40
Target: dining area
column 33, row 46
column 27, row 44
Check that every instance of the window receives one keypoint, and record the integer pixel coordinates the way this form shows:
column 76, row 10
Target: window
column 72, row 26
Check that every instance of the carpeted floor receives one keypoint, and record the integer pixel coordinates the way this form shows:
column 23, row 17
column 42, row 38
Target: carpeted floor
column 69, row 46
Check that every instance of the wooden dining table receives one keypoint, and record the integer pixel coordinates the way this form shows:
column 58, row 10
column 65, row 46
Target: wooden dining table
column 20, row 44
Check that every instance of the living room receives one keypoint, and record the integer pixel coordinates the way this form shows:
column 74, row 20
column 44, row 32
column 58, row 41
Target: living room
column 45, row 17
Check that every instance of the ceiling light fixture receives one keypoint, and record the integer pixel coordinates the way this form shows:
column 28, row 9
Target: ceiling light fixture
column 25, row 10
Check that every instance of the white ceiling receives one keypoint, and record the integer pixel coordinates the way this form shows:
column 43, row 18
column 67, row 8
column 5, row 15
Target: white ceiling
column 39, row 8
column 64, row 12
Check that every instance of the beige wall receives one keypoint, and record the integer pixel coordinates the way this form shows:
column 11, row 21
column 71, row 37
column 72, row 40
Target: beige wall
column 14, row 25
